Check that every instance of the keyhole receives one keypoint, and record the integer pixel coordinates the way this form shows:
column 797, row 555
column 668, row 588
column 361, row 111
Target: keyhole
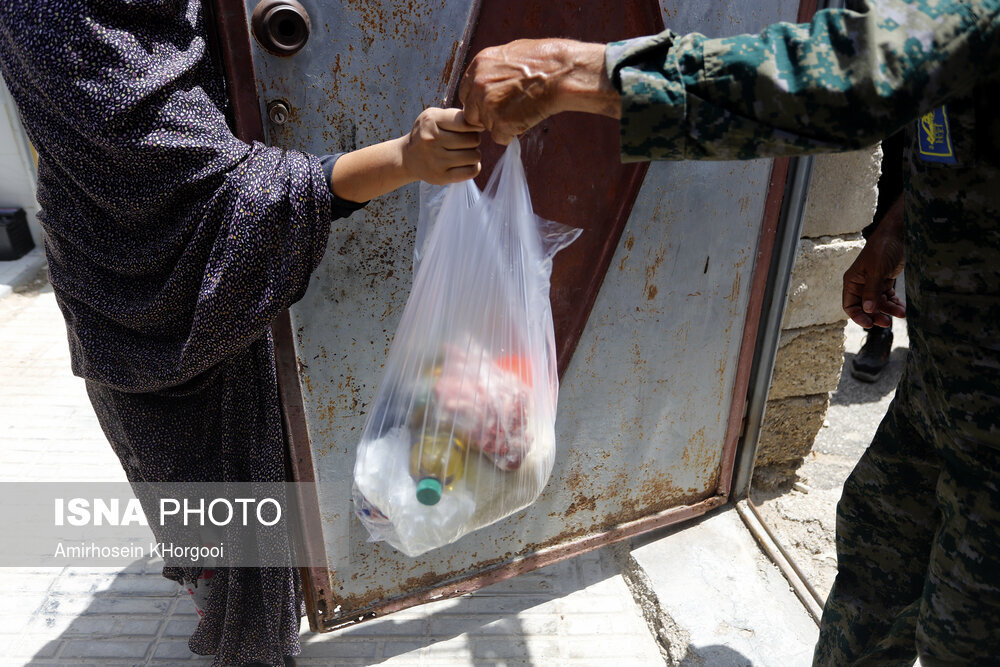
column 286, row 28
column 278, row 111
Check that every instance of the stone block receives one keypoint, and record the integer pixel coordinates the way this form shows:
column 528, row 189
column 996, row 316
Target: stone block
column 842, row 193
column 808, row 362
column 790, row 427
column 814, row 293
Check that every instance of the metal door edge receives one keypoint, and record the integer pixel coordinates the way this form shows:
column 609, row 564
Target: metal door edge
column 748, row 345
column 233, row 34
column 785, row 208
column 508, row 569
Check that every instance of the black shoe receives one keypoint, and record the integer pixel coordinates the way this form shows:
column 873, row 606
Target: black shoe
column 873, row 356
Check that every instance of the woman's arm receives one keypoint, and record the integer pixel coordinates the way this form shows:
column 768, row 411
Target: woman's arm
column 173, row 245
column 441, row 148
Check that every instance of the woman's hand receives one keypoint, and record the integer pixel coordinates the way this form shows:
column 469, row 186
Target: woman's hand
column 442, row 147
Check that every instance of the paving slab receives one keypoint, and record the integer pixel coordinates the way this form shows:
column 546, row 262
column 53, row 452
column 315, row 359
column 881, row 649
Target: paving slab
column 717, row 600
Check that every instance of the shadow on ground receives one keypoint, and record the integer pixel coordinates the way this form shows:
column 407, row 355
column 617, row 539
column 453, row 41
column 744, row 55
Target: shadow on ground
column 720, row 656
column 851, row 391
column 39, row 284
column 141, row 618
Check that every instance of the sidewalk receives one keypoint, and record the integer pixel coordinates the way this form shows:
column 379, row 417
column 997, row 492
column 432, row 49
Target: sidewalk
column 703, row 595
column 16, row 272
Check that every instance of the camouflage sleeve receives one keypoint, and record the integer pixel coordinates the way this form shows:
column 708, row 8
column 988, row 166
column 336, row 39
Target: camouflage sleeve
column 841, row 82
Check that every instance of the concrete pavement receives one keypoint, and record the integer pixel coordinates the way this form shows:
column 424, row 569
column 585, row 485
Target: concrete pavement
column 704, row 595
column 19, row 271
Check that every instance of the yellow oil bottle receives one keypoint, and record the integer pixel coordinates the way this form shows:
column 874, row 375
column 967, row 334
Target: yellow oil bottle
column 437, row 460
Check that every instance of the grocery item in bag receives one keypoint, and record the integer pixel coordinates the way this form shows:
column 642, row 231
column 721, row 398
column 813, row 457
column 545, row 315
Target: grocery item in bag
column 462, row 431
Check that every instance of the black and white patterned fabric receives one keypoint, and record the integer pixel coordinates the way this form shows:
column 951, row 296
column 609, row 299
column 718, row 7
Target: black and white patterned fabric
column 172, row 246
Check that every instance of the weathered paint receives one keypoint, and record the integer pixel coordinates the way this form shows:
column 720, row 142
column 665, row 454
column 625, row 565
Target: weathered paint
column 599, row 203
column 645, row 401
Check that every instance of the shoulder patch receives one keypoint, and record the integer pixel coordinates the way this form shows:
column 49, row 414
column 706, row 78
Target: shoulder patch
column 934, row 137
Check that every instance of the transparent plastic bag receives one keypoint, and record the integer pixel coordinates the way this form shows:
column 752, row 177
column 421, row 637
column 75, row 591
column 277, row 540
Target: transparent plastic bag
column 462, row 431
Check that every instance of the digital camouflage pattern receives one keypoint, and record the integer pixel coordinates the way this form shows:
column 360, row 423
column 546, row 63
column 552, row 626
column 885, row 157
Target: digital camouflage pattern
column 841, row 82
column 917, row 547
column 918, row 532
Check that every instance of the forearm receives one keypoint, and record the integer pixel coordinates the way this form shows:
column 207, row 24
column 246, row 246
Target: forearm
column 893, row 219
column 371, row 171
column 509, row 89
column 890, row 231
column 441, row 148
column 583, row 83
column 841, row 82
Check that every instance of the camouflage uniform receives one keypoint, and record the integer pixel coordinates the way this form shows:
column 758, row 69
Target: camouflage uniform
column 918, row 532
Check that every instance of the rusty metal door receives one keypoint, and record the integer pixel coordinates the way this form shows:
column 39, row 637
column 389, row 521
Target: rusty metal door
column 656, row 307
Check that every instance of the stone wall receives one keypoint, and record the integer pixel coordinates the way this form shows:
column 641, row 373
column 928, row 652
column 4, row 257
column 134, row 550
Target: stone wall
column 842, row 198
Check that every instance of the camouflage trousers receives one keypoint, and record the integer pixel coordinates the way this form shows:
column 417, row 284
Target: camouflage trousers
column 918, row 524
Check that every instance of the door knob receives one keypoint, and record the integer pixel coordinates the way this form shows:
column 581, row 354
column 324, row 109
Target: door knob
column 280, row 26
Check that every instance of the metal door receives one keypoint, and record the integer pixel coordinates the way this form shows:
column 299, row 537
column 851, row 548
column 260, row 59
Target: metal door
column 657, row 308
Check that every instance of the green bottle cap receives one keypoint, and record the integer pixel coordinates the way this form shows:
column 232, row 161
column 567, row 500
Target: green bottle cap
column 429, row 491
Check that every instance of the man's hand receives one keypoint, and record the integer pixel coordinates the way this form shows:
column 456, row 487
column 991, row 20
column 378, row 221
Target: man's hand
column 511, row 88
column 869, row 296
